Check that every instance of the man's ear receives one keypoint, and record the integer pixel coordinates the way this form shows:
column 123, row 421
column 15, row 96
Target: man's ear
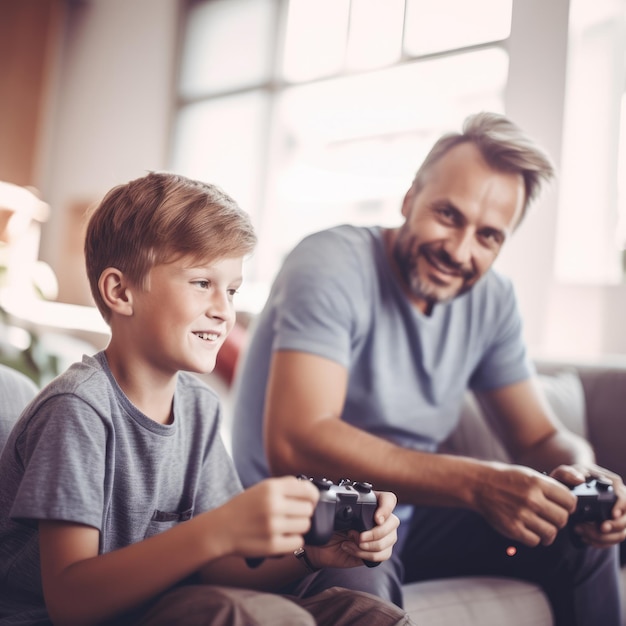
column 115, row 291
column 407, row 202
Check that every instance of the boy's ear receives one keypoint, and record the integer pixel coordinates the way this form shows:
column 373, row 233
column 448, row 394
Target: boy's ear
column 115, row 291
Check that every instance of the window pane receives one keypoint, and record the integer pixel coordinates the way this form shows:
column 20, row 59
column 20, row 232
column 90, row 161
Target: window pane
column 448, row 24
column 375, row 36
column 347, row 149
column 315, row 45
column 221, row 142
column 228, row 44
column 587, row 249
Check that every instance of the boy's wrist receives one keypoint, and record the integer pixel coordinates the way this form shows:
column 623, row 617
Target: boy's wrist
column 302, row 556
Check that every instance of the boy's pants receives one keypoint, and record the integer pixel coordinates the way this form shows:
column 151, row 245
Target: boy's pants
column 211, row 605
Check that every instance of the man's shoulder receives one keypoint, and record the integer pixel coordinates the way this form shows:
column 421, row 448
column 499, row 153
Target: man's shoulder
column 344, row 236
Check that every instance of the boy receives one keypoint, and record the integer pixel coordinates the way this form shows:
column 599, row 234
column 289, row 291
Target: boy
column 118, row 501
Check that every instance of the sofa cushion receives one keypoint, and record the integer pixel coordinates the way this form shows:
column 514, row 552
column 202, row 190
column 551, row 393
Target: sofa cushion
column 475, row 437
column 483, row 601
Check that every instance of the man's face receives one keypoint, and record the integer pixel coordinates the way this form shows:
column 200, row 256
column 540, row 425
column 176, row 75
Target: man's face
column 455, row 226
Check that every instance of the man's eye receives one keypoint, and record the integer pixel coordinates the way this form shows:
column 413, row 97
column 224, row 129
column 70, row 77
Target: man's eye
column 446, row 213
column 492, row 238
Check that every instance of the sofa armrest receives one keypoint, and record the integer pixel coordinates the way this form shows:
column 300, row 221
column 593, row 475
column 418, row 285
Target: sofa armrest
column 604, row 387
column 477, row 432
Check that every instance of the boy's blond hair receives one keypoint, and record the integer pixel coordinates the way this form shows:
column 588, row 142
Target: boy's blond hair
column 159, row 218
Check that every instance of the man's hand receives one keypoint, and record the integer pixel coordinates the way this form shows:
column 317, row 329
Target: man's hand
column 611, row 531
column 352, row 548
column 523, row 504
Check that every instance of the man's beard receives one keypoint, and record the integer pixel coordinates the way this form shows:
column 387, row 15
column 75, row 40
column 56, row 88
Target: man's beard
column 421, row 287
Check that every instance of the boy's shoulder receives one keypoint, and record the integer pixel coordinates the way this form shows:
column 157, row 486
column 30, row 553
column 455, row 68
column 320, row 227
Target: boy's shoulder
column 85, row 379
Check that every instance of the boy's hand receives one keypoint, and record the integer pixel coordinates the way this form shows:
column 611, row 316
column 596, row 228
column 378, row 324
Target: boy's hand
column 269, row 518
column 352, row 548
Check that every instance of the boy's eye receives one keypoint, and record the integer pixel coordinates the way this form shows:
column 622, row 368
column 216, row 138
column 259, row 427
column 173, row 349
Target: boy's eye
column 203, row 284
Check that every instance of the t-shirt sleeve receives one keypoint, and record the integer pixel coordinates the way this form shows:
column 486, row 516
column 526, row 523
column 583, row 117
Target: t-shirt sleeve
column 505, row 360
column 319, row 294
column 63, row 453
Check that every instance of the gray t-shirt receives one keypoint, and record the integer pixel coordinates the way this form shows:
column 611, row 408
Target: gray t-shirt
column 82, row 452
column 337, row 296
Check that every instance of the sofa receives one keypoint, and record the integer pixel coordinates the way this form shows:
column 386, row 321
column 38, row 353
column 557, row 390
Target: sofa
column 591, row 400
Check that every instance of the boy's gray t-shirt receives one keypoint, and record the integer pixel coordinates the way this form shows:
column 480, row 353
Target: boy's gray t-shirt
column 337, row 296
column 82, row 452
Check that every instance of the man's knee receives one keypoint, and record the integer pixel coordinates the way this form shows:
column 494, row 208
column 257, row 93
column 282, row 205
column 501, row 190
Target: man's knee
column 208, row 605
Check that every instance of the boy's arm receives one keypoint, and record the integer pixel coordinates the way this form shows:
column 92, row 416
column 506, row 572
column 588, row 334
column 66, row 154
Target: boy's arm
column 83, row 587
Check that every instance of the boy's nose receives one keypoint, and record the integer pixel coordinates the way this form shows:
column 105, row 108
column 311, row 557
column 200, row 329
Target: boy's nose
column 220, row 307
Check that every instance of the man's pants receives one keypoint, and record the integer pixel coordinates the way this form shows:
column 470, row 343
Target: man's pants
column 212, row 605
column 582, row 584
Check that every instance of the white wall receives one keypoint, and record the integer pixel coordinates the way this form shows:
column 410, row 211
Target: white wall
column 110, row 113
column 111, row 118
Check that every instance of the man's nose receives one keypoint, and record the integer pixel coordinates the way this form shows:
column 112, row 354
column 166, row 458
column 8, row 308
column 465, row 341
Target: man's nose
column 460, row 247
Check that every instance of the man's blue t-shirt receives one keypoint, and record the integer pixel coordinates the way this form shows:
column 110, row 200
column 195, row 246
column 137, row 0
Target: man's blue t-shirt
column 337, row 297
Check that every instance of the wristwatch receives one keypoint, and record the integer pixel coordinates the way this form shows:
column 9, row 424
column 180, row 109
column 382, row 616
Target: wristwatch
column 300, row 554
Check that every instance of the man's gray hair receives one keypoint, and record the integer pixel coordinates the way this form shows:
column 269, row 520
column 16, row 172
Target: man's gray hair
column 504, row 147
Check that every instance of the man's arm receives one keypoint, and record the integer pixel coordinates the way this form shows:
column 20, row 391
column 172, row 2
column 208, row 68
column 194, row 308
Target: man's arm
column 531, row 431
column 305, row 397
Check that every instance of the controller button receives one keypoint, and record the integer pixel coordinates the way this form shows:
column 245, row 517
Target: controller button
column 362, row 487
column 322, row 483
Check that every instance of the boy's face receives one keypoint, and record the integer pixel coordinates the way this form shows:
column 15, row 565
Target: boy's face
column 185, row 313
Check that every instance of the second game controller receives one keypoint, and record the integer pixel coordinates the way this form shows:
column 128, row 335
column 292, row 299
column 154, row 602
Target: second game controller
column 596, row 498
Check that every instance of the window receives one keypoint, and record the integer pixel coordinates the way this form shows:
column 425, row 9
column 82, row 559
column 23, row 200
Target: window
column 591, row 234
column 317, row 112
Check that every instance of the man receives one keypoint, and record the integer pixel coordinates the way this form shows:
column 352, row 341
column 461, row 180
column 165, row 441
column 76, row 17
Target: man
column 360, row 361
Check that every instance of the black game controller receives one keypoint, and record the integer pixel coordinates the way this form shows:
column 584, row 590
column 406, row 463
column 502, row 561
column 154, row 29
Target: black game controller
column 347, row 505
column 596, row 498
